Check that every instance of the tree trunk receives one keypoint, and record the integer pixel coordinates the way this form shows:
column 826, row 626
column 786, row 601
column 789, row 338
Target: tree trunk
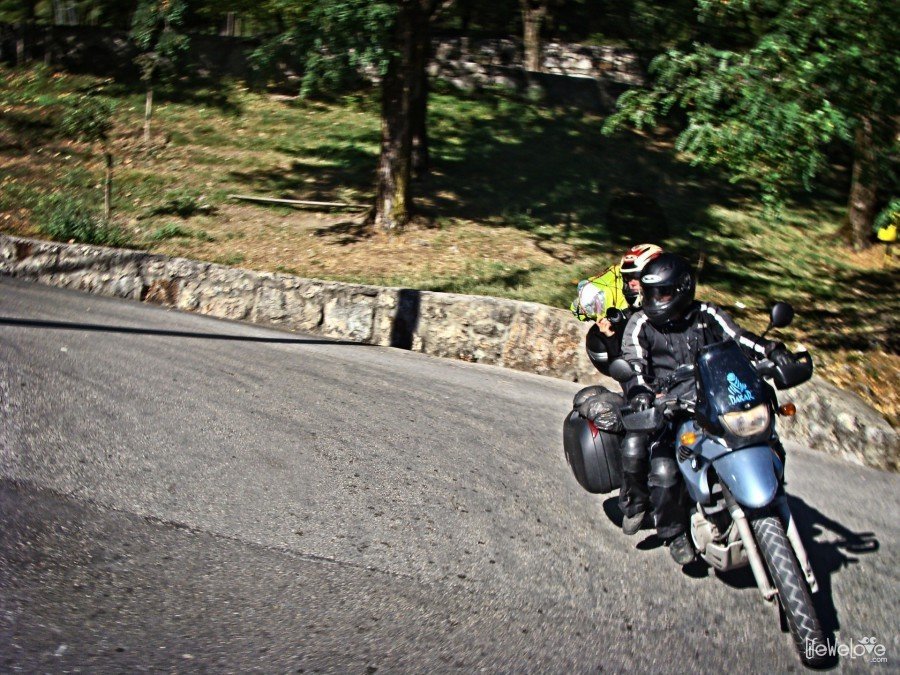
column 107, row 184
column 465, row 16
column 392, row 193
column 148, row 113
column 404, row 101
column 392, row 197
column 864, row 185
column 419, row 97
column 24, row 38
column 26, row 33
column 532, row 16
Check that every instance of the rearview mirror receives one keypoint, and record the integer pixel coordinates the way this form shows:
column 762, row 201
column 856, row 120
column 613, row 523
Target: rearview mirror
column 782, row 315
column 620, row 370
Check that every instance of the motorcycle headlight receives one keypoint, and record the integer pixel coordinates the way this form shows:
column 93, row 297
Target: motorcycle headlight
column 747, row 422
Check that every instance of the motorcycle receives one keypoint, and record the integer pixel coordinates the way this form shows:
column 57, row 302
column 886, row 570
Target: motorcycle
column 728, row 454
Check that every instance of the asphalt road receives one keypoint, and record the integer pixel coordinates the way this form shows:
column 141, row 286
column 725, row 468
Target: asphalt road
column 175, row 501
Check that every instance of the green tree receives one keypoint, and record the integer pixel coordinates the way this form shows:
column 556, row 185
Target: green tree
column 155, row 32
column 795, row 78
column 331, row 42
column 90, row 118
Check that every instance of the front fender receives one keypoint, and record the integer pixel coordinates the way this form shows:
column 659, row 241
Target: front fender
column 750, row 474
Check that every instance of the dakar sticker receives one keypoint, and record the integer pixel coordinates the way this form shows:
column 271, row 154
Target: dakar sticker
column 737, row 390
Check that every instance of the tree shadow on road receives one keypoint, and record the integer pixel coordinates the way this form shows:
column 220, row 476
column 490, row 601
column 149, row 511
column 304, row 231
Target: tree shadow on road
column 66, row 325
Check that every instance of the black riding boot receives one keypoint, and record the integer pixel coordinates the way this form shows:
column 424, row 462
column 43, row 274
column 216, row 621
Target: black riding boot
column 669, row 514
column 634, row 496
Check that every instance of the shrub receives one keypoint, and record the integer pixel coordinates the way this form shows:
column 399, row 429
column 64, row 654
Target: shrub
column 66, row 219
column 169, row 231
column 174, row 231
column 184, row 203
column 88, row 118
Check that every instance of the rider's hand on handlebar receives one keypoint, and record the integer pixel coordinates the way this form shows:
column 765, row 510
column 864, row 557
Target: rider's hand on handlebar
column 780, row 356
column 642, row 401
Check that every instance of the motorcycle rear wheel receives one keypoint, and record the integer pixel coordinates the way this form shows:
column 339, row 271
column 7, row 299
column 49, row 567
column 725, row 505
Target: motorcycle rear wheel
column 793, row 593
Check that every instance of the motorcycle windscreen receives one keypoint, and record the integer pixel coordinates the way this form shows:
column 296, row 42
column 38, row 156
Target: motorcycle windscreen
column 728, row 381
column 750, row 474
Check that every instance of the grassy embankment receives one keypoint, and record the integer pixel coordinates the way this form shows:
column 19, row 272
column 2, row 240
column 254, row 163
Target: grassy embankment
column 521, row 201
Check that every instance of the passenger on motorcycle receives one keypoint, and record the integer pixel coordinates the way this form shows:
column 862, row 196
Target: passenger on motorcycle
column 668, row 331
column 616, row 288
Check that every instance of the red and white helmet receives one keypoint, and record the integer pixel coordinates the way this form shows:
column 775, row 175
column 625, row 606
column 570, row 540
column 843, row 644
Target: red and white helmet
column 637, row 256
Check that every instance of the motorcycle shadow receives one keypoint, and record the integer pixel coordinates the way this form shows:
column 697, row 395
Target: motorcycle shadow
column 830, row 545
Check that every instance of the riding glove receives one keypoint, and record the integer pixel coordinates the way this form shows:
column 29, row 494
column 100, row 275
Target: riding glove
column 642, row 401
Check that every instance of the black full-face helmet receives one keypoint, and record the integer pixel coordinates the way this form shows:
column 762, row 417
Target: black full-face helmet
column 668, row 287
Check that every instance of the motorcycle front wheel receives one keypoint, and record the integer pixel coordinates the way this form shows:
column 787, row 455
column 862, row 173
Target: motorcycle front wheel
column 793, row 593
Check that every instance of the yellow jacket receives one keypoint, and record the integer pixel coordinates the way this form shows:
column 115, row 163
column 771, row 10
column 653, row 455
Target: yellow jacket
column 599, row 293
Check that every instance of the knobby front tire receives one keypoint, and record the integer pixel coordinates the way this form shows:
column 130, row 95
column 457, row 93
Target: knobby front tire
column 793, row 593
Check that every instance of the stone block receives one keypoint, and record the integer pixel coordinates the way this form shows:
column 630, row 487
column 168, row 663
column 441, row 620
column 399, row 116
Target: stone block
column 349, row 314
column 269, row 304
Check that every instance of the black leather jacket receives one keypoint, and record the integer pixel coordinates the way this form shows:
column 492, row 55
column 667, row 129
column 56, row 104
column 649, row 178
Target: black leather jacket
column 655, row 352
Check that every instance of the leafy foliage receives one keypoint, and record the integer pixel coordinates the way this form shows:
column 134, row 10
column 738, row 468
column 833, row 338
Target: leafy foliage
column 768, row 112
column 328, row 41
column 155, row 31
column 88, row 118
column 15, row 11
column 890, row 215
column 64, row 218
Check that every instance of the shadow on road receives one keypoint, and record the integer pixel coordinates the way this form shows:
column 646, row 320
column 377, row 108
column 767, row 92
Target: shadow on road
column 829, row 556
column 64, row 325
column 829, row 544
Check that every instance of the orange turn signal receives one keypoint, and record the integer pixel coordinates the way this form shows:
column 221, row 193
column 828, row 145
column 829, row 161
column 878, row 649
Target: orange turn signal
column 688, row 438
column 788, row 410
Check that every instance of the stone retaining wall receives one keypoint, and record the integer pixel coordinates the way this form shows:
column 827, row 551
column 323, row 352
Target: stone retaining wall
column 461, row 56
column 574, row 75
column 521, row 335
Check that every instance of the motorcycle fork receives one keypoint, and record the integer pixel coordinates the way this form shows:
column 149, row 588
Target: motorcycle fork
column 753, row 556
column 793, row 536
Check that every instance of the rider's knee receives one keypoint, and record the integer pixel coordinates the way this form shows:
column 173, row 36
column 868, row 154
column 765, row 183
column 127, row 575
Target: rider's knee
column 663, row 472
column 634, row 453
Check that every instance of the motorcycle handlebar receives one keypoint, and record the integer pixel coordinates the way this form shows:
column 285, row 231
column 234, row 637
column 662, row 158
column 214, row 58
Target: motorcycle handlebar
column 652, row 418
column 789, row 374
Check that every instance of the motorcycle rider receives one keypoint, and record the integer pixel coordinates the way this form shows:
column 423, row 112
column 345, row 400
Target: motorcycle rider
column 618, row 287
column 668, row 331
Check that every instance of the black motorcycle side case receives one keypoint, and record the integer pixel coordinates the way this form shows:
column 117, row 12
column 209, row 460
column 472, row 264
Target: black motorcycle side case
column 594, row 455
